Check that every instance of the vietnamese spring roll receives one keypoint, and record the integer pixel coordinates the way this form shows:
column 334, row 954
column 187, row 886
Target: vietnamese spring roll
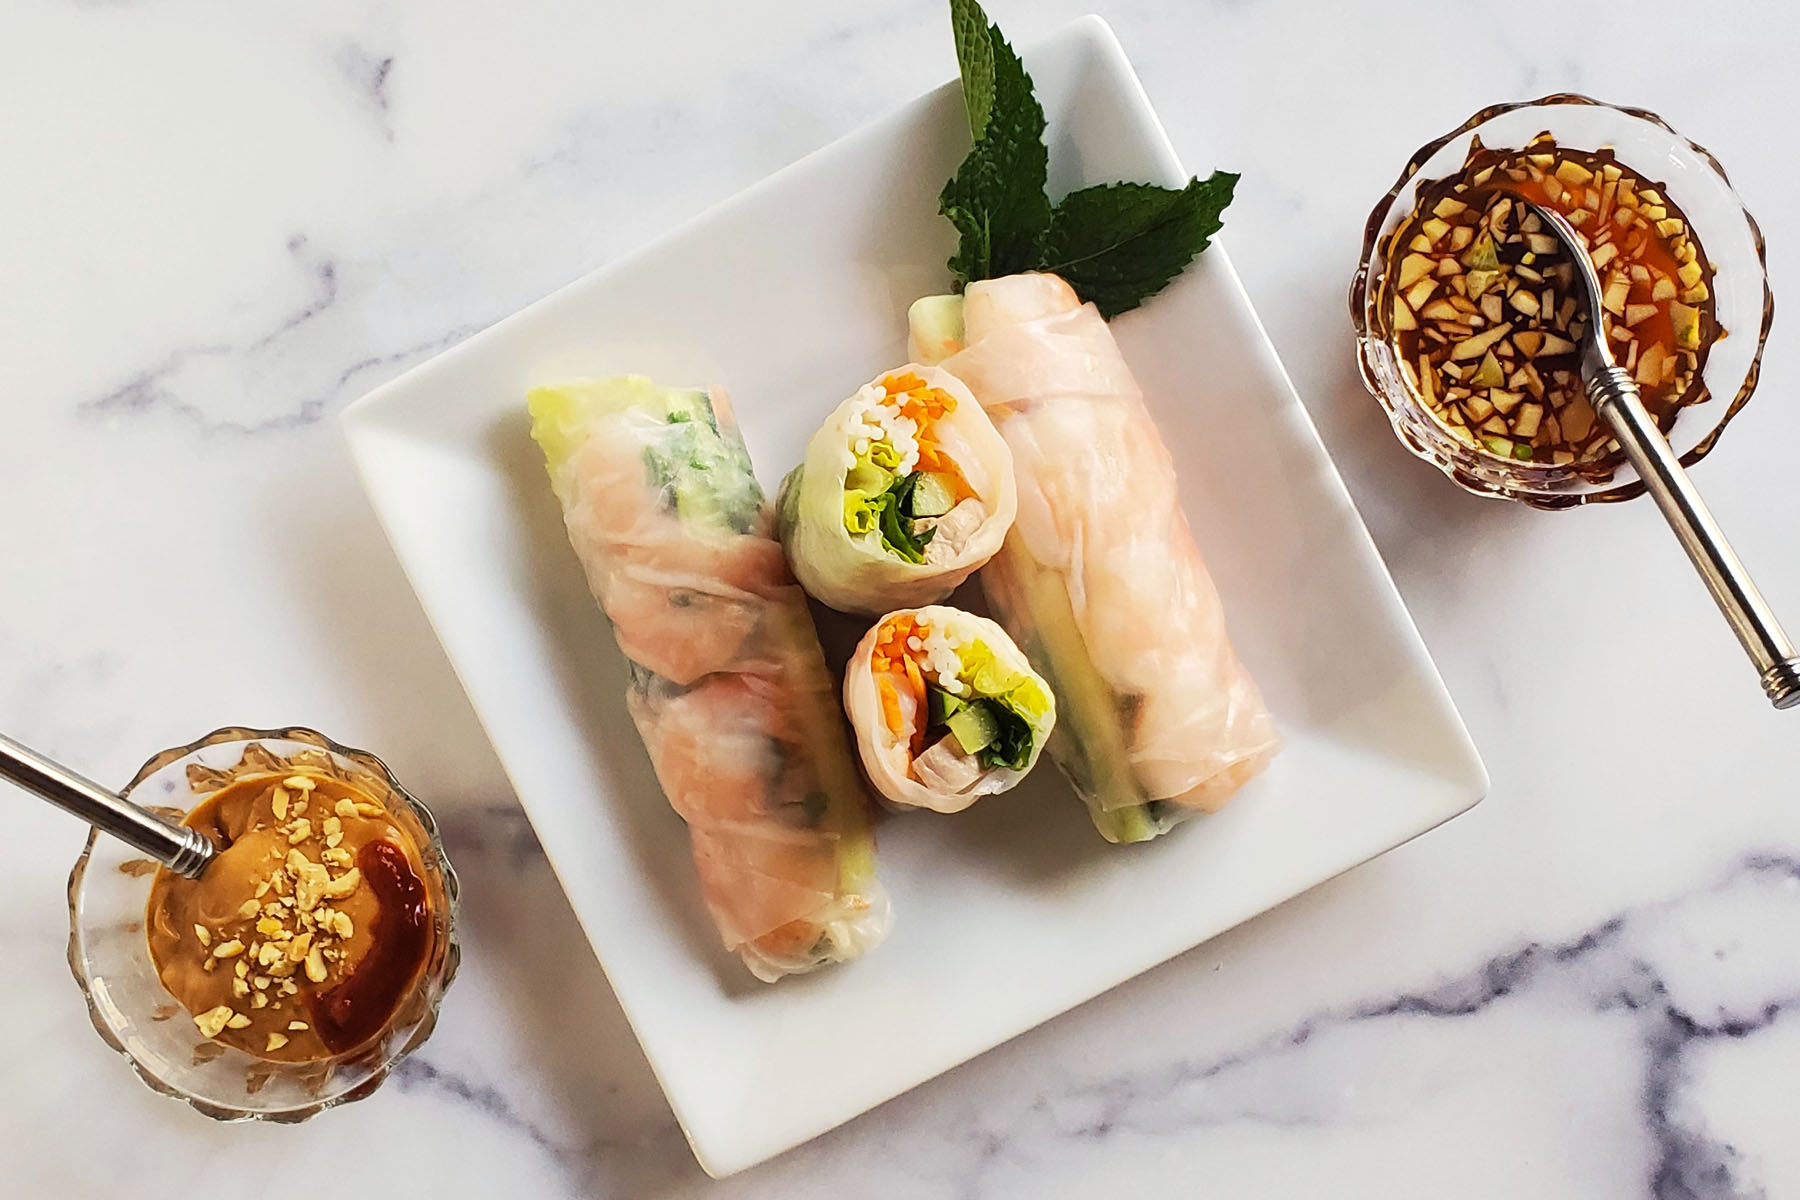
column 945, row 708
column 1100, row 580
column 904, row 491
column 729, row 688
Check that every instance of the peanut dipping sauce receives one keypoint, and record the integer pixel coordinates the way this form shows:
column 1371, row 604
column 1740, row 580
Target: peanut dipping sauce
column 308, row 931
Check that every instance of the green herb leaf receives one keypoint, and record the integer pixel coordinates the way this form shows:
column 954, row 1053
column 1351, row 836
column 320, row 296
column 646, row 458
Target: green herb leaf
column 996, row 198
column 897, row 533
column 1118, row 244
column 975, row 58
column 1012, row 747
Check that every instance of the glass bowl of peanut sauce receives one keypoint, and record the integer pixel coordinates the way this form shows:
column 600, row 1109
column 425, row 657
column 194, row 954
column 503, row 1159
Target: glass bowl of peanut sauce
column 306, row 962
column 1463, row 349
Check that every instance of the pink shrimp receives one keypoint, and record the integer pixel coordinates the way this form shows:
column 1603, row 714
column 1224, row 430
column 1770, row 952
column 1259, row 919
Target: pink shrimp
column 683, row 605
column 731, row 694
column 722, row 752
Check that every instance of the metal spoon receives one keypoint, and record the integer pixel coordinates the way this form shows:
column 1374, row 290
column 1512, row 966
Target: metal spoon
column 182, row 850
column 1616, row 400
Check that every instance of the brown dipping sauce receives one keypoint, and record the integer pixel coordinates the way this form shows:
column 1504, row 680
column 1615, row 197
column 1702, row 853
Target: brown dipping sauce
column 309, row 930
column 1486, row 318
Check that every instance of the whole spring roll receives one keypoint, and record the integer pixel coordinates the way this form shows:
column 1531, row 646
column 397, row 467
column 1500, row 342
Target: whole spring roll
column 904, row 491
column 945, row 708
column 1100, row 579
column 729, row 687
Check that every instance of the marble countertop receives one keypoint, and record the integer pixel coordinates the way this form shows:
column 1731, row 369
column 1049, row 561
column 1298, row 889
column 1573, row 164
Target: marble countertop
column 219, row 224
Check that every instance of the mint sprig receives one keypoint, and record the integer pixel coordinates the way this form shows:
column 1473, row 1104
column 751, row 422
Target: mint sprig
column 996, row 198
column 1116, row 244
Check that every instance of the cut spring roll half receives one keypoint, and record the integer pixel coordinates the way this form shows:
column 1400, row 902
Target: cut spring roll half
column 1100, row 579
column 904, row 491
column 945, row 708
column 729, row 688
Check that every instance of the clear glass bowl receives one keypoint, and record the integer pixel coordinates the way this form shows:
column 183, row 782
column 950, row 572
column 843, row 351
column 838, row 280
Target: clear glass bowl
column 1697, row 184
column 110, row 888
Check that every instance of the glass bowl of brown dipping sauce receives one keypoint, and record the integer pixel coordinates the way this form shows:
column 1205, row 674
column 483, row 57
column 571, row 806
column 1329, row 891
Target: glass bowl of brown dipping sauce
column 1467, row 317
column 307, row 961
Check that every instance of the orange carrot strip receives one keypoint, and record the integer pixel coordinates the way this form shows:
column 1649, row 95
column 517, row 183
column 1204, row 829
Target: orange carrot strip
column 890, row 705
column 915, row 677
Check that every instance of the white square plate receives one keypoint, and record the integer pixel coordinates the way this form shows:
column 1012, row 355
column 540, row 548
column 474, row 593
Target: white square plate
column 791, row 295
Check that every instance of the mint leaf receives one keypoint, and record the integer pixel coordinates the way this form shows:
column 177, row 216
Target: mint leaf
column 975, row 58
column 996, row 198
column 1118, row 244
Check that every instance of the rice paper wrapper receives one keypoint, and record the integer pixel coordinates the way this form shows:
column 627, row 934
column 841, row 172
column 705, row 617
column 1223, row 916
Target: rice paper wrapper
column 859, row 574
column 888, row 758
column 1101, row 579
column 728, row 685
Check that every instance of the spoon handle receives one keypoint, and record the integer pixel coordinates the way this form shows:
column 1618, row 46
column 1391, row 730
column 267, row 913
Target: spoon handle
column 185, row 851
column 1615, row 398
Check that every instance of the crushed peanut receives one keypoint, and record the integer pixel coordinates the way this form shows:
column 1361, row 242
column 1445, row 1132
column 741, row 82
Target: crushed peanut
column 213, row 1020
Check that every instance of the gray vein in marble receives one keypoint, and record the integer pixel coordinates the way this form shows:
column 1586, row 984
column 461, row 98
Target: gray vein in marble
column 160, row 390
column 418, row 1074
column 1687, row 1163
column 623, row 1159
column 485, row 828
column 155, row 387
column 368, row 73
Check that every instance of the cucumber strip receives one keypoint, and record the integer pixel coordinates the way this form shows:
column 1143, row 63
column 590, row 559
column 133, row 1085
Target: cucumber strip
column 1089, row 740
